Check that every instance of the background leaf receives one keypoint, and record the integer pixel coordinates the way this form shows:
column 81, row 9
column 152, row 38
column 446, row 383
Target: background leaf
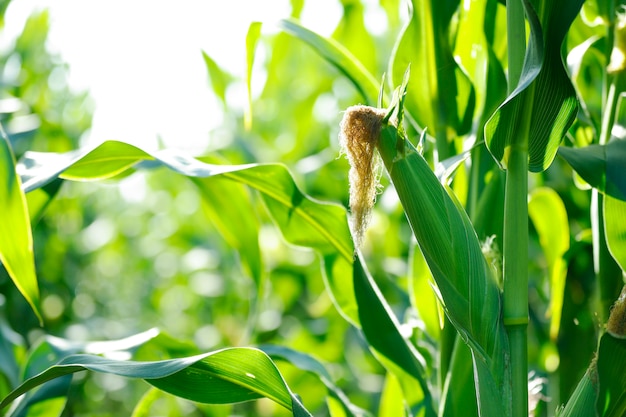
column 442, row 99
column 339, row 57
column 547, row 211
column 16, row 246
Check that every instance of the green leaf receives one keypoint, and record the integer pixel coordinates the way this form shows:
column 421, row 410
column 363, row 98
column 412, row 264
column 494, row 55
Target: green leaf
column 219, row 78
column 442, row 98
column 582, row 402
column 547, row 211
column 252, row 38
column 611, row 376
column 382, row 331
column 422, row 296
column 602, row 166
column 615, row 229
column 16, row 244
column 229, row 207
column 309, row 363
column 221, row 377
column 302, row 220
column 339, row 57
column 459, row 393
column 548, row 115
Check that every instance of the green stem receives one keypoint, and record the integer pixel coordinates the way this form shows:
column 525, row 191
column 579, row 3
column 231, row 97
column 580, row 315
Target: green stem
column 515, row 264
column 516, row 41
column 515, row 236
column 608, row 273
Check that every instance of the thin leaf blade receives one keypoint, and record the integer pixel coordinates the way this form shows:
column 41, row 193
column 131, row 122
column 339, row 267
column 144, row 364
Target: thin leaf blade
column 16, row 241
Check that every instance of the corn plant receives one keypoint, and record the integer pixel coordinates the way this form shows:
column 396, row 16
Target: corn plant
column 471, row 113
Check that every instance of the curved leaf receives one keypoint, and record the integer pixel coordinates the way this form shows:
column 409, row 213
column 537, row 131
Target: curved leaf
column 16, row 242
column 382, row 331
column 302, row 220
column 338, row 56
column 308, row 363
column 602, row 166
column 544, row 95
column 221, row 377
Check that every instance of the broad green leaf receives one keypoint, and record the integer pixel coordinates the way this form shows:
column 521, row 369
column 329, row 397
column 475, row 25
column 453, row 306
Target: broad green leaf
column 51, row 396
column 382, row 331
column 252, row 38
column 602, row 166
column 221, row 377
column 308, row 363
column 442, row 98
column 16, row 244
column 547, row 211
column 544, row 102
column 302, row 220
column 339, row 57
column 612, row 376
column 615, row 229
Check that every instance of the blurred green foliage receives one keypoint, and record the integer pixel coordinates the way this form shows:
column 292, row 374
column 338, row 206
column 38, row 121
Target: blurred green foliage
column 122, row 256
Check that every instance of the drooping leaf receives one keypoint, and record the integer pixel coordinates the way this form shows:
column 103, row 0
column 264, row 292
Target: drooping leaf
column 339, row 57
column 308, row 363
column 544, row 102
column 16, row 242
column 302, row 220
column 51, row 396
column 547, row 211
column 602, row 166
column 442, row 98
column 382, row 331
column 221, row 377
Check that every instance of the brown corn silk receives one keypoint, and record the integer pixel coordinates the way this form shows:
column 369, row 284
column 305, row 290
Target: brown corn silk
column 358, row 136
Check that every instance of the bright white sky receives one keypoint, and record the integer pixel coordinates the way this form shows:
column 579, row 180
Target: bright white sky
column 141, row 60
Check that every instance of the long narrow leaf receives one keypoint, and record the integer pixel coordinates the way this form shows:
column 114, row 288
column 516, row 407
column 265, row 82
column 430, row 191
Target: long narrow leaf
column 382, row 331
column 16, row 239
column 338, row 56
column 302, row 220
column 221, row 377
